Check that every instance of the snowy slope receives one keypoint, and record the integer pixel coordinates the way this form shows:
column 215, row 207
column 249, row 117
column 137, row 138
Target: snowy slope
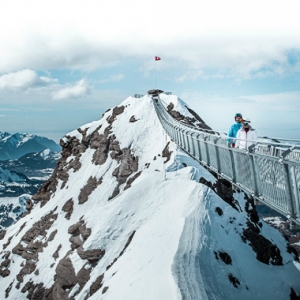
column 124, row 216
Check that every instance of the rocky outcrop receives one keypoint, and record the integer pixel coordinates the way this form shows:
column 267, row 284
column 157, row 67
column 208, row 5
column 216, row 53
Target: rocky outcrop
column 196, row 121
column 30, row 246
column 71, row 147
column 132, row 119
column 266, row 251
column 68, row 208
column 90, row 186
column 222, row 188
column 128, row 165
column 167, row 153
column 79, row 234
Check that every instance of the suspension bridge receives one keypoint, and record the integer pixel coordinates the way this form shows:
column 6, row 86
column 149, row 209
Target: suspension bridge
column 269, row 171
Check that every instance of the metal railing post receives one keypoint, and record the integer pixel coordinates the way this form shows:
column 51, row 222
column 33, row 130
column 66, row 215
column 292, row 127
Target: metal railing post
column 217, row 154
column 206, row 149
column 288, row 182
column 254, row 170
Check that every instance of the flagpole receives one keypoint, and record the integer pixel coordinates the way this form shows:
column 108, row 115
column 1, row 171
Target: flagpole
column 155, row 59
column 154, row 73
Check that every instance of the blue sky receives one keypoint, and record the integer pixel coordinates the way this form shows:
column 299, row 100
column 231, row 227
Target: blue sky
column 63, row 63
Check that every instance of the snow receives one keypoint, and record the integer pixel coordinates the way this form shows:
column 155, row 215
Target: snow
column 177, row 231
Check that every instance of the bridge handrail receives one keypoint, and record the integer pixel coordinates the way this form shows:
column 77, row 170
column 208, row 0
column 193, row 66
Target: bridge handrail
column 272, row 178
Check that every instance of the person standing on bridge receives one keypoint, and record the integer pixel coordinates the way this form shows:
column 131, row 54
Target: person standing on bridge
column 233, row 130
column 246, row 136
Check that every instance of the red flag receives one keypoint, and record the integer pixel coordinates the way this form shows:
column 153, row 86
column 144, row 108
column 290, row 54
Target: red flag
column 157, row 58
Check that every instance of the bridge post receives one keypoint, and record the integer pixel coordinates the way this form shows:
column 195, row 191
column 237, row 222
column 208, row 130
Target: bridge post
column 217, row 154
column 198, row 147
column 288, row 182
column 296, row 191
column 232, row 164
column 206, row 149
column 190, row 142
column 254, row 170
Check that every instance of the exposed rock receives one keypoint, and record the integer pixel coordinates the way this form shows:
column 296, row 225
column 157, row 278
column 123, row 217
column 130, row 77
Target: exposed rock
column 293, row 295
column 202, row 124
column 266, row 251
column 5, row 263
column 100, row 142
column 29, row 204
column 83, row 277
column 219, row 211
column 116, row 111
column 80, row 228
column 88, row 189
column 115, row 193
column 196, row 121
column 52, row 236
column 29, row 268
column 132, row 119
column 96, row 285
column 225, row 257
column 55, row 254
column 29, row 247
column 21, row 228
column 129, row 165
column 4, row 272
column 104, row 289
column 65, row 279
column 223, row 188
column 7, row 291
column 68, row 208
column 76, row 242
column 91, row 255
column 6, row 255
column 2, row 234
column 8, row 242
column 71, row 146
column 234, row 280
column 250, row 209
column 166, row 153
column 74, row 229
column 131, row 180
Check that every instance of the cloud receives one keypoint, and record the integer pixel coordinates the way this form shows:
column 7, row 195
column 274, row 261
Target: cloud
column 79, row 90
column 112, row 78
column 24, row 79
column 242, row 39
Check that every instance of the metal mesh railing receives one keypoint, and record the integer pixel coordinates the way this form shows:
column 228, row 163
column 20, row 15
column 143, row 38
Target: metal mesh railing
column 269, row 171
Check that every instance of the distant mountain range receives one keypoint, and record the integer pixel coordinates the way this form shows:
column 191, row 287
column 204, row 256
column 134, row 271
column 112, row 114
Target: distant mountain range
column 16, row 145
column 27, row 173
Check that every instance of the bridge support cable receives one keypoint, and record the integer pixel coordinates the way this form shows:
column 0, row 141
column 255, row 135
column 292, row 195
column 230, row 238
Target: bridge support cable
column 268, row 171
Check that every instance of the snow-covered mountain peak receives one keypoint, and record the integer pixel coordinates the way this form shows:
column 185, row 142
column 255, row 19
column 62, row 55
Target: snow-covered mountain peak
column 15, row 145
column 128, row 215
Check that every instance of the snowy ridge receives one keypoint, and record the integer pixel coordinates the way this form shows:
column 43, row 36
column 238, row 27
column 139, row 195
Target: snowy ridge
column 124, row 216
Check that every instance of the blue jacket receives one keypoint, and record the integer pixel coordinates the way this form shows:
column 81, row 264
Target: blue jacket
column 232, row 132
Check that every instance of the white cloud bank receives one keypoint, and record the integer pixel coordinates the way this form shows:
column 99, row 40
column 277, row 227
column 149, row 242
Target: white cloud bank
column 23, row 80
column 79, row 90
column 113, row 78
column 243, row 36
